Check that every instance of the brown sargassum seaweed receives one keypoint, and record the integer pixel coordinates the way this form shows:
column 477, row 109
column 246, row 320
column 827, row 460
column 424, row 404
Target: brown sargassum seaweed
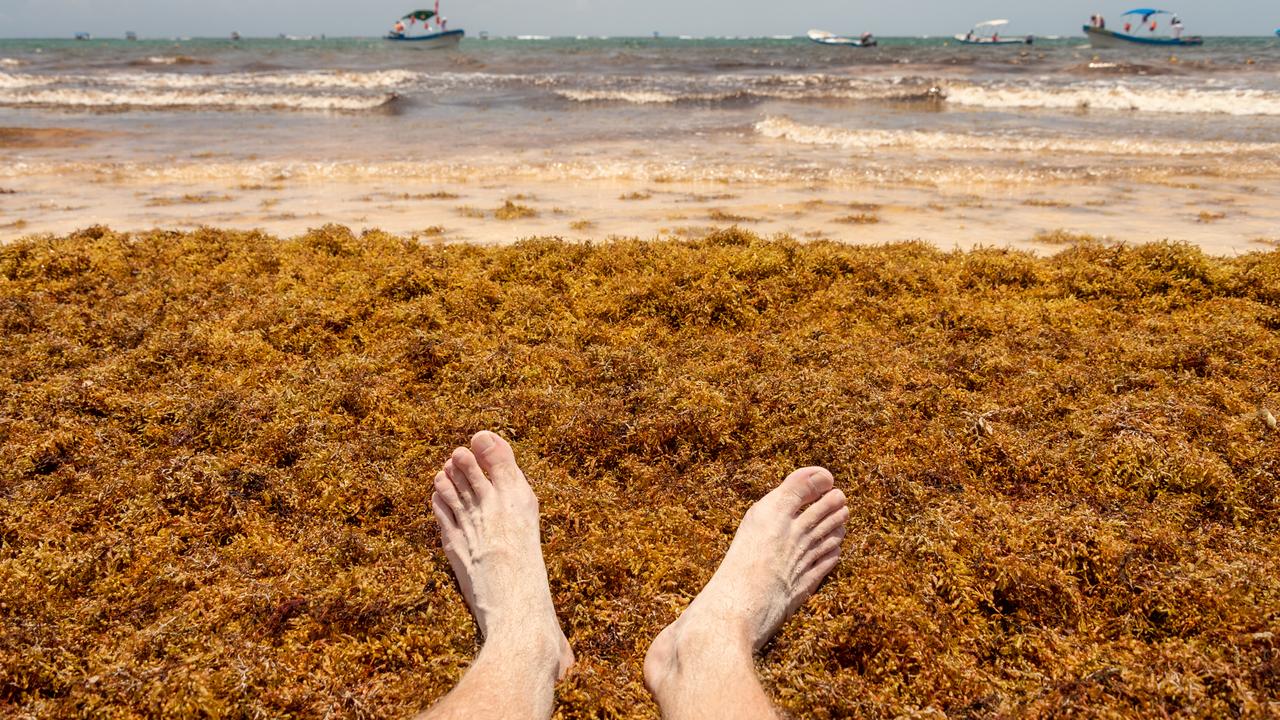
column 216, row 450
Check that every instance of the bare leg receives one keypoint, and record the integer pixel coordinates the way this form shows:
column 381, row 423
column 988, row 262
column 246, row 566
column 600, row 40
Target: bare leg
column 488, row 519
column 701, row 665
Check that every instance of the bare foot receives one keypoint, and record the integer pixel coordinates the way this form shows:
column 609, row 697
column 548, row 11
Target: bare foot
column 786, row 544
column 488, row 518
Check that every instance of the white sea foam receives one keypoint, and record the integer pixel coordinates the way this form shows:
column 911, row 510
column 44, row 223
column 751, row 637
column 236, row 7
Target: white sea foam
column 10, row 80
column 867, row 140
column 635, row 97
column 10, row 62
column 94, row 98
column 721, row 88
column 173, row 60
column 377, row 80
column 1119, row 96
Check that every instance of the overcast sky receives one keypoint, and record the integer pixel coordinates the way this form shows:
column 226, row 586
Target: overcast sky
column 106, row 18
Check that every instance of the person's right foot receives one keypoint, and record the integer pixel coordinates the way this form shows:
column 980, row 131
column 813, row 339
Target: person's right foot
column 488, row 519
column 787, row 543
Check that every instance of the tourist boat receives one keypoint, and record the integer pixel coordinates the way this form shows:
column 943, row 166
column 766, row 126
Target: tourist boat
column 428, row 37
column 988, row 33
column 822, row 37
column 131, row 36
column 1102, row 38
column 235, row 36
column 83, row 36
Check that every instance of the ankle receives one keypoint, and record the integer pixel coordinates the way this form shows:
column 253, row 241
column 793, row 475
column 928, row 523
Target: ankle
column 694, row 643
column 536, row 652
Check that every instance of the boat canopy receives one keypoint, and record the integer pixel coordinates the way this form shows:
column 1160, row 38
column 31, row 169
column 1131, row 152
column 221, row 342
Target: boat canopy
column 422, row 15
column 992, row 23
column 1146, row 13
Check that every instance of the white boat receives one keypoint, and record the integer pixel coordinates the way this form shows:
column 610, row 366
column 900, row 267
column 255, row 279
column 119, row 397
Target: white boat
column 822, row 37
column 988, row 33
column 407, row 30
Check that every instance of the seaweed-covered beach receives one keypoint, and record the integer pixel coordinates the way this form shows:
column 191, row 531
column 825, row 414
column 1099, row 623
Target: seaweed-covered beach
column 216, row 450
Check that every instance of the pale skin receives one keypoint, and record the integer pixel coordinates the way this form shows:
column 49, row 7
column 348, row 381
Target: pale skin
column 700, row 666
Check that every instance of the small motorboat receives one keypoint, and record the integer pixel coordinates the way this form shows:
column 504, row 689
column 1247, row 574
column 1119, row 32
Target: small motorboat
column 131, row 36
column 83, row 36
column 406, row 30
column 822, row 37
column 1102, row 38
column 988, row 33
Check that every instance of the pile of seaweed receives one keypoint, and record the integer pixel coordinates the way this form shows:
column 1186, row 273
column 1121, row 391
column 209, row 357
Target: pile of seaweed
column 216, row 451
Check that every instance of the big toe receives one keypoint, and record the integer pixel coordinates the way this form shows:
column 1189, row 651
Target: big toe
column 495, row 456
column 803, row 487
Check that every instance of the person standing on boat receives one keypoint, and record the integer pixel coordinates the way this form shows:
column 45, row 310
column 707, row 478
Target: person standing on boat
column 1176, row 26
column 1102, row 23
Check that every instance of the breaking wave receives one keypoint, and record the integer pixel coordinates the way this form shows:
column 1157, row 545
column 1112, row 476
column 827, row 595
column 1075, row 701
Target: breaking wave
column 172, row 60
column 866, row 140
column 330, row 90
column 635, row 97
column 123, row 99
column 1118, row 96
column 728, row 88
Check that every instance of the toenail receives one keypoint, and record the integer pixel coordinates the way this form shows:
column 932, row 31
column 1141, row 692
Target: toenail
column 483, row 441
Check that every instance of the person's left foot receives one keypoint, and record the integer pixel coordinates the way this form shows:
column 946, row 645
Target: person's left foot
column 788, row 541
column 489, row 528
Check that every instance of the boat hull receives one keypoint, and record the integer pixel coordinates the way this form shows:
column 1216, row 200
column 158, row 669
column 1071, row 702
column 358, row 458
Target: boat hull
column 844, row 42
column 1002, row 41
column 822, row 37
column 1105, row 39
column 433, row 41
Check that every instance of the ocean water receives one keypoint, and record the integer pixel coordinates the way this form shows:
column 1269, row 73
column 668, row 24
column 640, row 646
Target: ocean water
column 757, row 109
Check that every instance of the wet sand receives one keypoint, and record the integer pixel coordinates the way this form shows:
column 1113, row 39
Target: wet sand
column 1224, row 215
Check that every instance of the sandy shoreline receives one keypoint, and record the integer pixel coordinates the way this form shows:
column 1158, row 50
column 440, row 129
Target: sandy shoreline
column 1222, row 215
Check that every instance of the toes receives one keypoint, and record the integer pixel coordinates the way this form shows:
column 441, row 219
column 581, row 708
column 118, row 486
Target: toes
column 448, row 493
column 464, row 463
column 828, row 525
column 495, row 458
column 826, row 545
column 830, row 503
column 818, row 569
column 444, row 515
column 803, row 487
column 460, row 481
